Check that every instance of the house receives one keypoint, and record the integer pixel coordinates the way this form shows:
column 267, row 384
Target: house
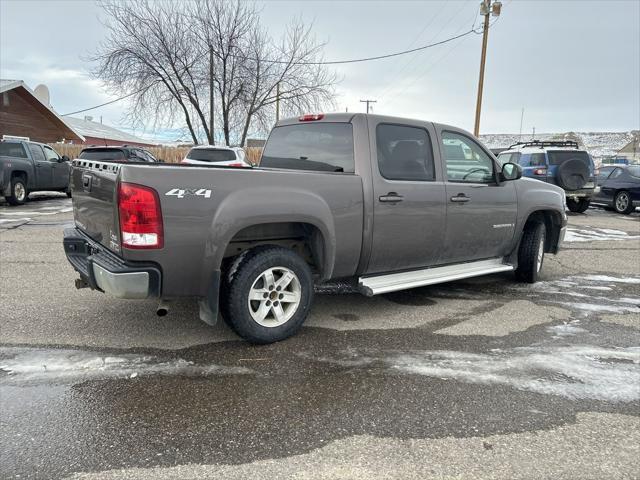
column 95, row 133
column 631, row 151
column 27, row 113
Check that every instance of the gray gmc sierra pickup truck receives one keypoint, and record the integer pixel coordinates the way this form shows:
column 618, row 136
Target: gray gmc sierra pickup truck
column 388, row 202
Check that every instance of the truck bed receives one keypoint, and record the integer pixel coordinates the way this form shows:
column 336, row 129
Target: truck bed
column 205, row 209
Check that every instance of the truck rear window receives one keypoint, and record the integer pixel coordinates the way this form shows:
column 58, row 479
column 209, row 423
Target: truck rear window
column 324, row 147
column 211, row 155
column 11, row 149
column 557, row 157
column 103, row 154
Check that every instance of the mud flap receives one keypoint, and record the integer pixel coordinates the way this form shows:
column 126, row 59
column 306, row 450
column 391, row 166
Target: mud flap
column 209, row 305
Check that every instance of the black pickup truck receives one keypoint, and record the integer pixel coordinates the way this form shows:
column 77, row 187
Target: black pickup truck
column 30, row 167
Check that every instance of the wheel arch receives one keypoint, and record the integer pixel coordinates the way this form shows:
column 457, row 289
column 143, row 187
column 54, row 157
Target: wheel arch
column 552, row 220
column 263, row 216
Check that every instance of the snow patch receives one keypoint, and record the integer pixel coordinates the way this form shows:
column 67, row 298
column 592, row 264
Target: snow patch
column 69, row 365
column 592, row 234
column 606, row 278
column 576, row 372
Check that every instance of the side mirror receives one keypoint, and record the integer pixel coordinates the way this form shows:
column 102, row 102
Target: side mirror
column 64, row 158
column 511, row 171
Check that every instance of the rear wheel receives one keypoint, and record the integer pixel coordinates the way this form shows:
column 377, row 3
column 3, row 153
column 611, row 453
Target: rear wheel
column 578, row 206
column 531, row 252
column 269, row 295
column 19, row 191
column 622, row 203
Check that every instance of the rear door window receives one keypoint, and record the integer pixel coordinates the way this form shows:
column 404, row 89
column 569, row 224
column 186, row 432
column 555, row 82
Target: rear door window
column 634, row 171
column 324, row 147
column 103, row 154
column 533, row 160
column 36, row 152
column 404, row 153
column 211, row 155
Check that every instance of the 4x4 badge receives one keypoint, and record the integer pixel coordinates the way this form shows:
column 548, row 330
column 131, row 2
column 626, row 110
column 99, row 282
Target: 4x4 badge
column 182, row 192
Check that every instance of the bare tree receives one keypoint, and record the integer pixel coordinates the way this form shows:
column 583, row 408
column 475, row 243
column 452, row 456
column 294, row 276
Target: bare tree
column 208, row 62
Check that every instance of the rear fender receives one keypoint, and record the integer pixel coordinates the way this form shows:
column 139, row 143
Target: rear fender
column 247, row 208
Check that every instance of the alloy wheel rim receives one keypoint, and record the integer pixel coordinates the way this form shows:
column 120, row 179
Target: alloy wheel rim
column 622, row 202
column 274, row 297
column 19, row 191
column 540, row 256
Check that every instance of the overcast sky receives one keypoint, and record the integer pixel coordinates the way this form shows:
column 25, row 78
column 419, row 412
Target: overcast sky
column 572, row 65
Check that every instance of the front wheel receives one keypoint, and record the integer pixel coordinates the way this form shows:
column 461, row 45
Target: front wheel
column 268, row 297
column 531, row 252
column 622, row 203
column 578, row 206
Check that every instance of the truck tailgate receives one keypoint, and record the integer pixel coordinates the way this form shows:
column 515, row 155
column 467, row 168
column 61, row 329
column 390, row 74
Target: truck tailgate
column 94, row 187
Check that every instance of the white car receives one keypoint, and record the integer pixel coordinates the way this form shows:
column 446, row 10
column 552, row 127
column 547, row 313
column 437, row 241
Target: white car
column 217, row 155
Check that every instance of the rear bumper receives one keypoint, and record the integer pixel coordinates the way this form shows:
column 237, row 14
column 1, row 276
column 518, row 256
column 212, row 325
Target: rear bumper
column 101, row 269
column 583, row 193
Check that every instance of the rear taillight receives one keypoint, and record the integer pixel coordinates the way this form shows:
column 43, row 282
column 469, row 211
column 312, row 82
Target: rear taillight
column 239, row 164
column 310, row 117
column 540, row 171
column 140, row 217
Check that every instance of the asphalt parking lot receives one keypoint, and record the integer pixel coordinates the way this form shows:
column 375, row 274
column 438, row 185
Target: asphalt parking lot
column 484, row 378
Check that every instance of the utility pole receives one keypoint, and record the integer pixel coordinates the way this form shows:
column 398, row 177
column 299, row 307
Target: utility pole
column 487, row 7
column 521, row 119
column 368, row 102
column 277, row 101
column 211, row 93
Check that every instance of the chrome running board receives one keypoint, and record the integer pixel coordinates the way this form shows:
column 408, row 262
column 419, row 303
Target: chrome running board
column 429, row 276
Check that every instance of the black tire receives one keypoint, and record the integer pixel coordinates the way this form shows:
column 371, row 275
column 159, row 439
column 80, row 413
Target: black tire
column 579, row 206
column 68, row 192
column 19, row 192
column 529, row 265
column 246, row 276
column 622, row 203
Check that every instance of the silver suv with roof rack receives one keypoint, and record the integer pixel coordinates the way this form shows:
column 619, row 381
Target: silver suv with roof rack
column 561, row 163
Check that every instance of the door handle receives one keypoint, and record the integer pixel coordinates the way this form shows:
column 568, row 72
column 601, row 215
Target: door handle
column 460, row 198
column 391, row 197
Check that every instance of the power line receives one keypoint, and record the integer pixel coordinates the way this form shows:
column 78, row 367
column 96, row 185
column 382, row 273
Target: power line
column 367, row 59
column 106, row 103
column 393, row 85
column 334, row 62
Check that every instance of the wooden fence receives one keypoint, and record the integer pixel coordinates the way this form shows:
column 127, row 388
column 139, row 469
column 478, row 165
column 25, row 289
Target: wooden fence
column 167, row 154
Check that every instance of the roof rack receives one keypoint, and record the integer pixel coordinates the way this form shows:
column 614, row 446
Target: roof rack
column 549, row 143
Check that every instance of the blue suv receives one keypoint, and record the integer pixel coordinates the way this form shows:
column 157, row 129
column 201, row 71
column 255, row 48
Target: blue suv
column 561, row 163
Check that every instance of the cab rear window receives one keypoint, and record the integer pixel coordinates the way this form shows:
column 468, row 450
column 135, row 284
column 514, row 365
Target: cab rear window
column 103, row 154
column 324, row 147
column 211, row 155
column 12, row 150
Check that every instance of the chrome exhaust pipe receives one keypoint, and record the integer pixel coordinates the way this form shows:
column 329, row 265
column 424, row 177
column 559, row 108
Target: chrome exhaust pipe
column 162, row 309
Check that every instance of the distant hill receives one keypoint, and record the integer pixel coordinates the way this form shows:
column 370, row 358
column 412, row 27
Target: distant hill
column 599, row 144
